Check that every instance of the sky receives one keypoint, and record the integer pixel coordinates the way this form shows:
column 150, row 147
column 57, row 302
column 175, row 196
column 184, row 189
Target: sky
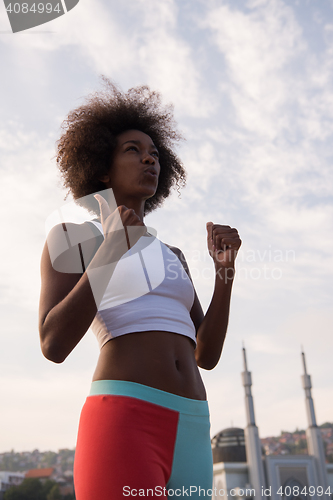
column 251, row 83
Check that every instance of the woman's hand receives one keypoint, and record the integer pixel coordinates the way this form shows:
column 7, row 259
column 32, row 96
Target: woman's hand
column 122, row 226
column 223, row 244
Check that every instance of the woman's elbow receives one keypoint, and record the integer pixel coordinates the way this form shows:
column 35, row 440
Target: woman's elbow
column 206, row 363
column 207, row 366
column 51, row 350
column 52, row 354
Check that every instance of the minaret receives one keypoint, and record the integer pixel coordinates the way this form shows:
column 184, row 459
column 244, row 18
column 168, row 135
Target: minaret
column 252, row 441
column 313, row 435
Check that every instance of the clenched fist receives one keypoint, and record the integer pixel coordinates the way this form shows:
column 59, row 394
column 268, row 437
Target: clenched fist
column 223, row 244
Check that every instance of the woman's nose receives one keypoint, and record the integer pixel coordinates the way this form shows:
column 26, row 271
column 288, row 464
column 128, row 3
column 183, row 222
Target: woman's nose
column 148, row 159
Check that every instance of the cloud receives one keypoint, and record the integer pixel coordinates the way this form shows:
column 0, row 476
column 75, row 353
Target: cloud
column 27, row 182
column 167, row 60
column 51, row 405
column 257, row 46
column 258, row 156
column 137, row 42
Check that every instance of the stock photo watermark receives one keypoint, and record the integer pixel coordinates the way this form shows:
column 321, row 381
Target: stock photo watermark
column 27, row 14
column 188, row 491
column 134, row 255
column 260, row 264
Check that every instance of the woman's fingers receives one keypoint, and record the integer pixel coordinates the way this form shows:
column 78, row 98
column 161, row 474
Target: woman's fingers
column 103, row 207
column 225, row 237
column 210, row 241
column 133, row 225
column 121, row 223
column 223, row 242
column 209, row 226
column 221, row 239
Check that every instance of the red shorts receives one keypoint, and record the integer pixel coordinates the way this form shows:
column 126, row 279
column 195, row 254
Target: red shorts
column 135, row 440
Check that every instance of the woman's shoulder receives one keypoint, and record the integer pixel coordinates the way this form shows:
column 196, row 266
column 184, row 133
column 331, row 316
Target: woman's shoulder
column 77, row 232
column 176, row 251
column 70, row 234
column 71, row 246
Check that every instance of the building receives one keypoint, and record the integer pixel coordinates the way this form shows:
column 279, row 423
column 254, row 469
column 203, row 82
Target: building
column 64, row 481
column 242, row 471
column 8, row 479
column 41, row 474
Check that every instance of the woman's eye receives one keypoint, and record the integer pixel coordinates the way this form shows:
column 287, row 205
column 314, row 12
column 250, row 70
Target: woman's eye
column 155, row 153
column 132, row 148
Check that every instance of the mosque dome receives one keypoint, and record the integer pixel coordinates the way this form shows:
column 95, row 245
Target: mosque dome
column 229, row 446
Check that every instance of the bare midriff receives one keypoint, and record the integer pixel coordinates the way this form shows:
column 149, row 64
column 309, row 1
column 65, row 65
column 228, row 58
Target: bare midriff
column 158, row 359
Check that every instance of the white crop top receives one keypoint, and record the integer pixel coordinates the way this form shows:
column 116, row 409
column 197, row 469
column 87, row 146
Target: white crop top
column 149, row 290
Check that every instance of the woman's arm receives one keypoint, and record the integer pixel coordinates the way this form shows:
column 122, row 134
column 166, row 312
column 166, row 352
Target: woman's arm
column 69, row 300
column 211, row 328
column 223, row 244
column 212, row 331
column 67, row 306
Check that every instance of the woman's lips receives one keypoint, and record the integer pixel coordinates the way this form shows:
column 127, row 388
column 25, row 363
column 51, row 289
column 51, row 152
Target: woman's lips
column 151, row 171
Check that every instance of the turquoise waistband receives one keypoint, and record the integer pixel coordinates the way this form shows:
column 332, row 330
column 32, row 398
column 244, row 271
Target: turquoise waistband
column 151, row 395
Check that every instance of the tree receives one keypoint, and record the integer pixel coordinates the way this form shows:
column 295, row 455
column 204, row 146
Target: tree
column 54, row 493
column 33, row 489
column 29, row 489
column 12, row 494
column 47, row 487
column 49, row 458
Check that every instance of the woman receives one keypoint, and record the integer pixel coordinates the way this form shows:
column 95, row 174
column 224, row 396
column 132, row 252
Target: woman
column 144, row 429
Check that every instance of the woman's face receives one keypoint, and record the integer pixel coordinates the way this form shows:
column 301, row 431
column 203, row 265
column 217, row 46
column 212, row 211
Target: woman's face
column 135, row 167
